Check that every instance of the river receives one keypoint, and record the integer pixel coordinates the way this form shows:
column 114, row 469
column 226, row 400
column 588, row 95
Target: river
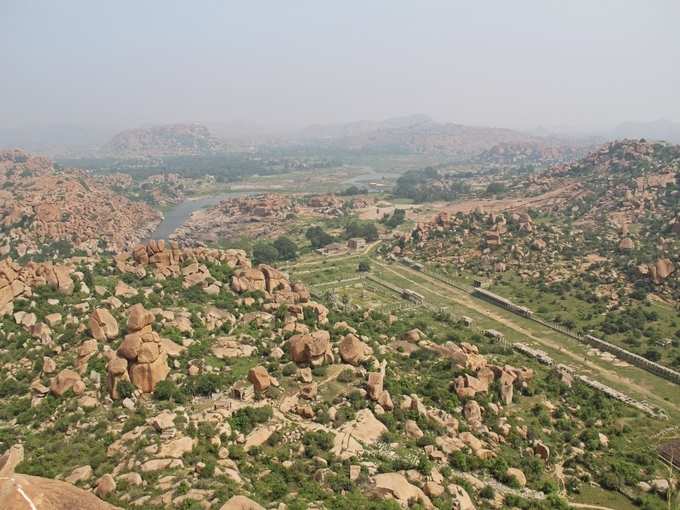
column 175, row 217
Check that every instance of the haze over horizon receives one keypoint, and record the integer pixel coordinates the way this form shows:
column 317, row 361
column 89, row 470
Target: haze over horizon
column 578, row 65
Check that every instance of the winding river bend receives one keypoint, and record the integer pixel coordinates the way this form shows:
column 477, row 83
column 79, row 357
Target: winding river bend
column 178, row 215
column 175, row 217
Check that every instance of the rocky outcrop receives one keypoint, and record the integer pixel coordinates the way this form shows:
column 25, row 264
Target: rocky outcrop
column 241, row 503
column 397, row 487
column 66, row 380
column 19, row 281
column 260, row 378
column 661, row 270
column 314, row 348
column 626, row 244
column 248, row 280
column 24, row 492
column 169, row 260
column 353, row 350
column 141, row 357
column 364, row 430
column 103, row 325
column 45, row 204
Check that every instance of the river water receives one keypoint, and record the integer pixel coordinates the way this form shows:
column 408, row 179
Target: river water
column 175, row 217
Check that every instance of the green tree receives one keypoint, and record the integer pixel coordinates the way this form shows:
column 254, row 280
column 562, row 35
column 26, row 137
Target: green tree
column 318, row 237
column 287, row 249
column 265, row 253
column 495, row 187
column 365, row 229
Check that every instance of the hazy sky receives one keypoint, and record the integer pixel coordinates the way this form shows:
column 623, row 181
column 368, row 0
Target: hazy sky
column 507, row 63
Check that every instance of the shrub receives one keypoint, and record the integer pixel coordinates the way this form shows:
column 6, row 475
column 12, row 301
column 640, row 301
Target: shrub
column 125, row 389
column 168, row 390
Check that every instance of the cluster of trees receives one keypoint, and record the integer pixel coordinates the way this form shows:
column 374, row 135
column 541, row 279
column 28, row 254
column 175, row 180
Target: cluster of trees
column 495, row 188
column 428, row 185
column 227, row 167
column 353, row 190
column 267, row 252
column 318, row 237
column 397, row 218
column 365, row 229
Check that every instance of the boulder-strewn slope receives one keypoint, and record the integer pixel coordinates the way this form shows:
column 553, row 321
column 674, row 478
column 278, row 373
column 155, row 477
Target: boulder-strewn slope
column 159, row 141
column 40, row 204
column 604, row 230
column 417, row 134
column 23, row 492
column 170, row 377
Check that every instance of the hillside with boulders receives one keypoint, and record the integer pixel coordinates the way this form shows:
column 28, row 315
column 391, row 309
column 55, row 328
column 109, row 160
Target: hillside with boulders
column 175, row 377
column 412, row 134
column 602, row 230
column 42, row 205
column 163, row 141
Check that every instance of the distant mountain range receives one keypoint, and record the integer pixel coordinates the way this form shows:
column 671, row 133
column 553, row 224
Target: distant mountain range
column 410, row 134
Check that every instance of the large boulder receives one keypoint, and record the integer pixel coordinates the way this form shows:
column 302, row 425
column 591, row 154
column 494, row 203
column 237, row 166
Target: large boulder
column 274, row 279
column 413, row 336
column 241, row 503
column 147, row 375
column 472, row 412
column 375, row 385
column 365, row 429
column 145, row 355
column 117, row 372
column 248, row 280
column 396, row 486
column 59, row 277
column 103, row 325
column 517, row 475
column 352, row 350
column 626, row 244
column 138, row 318
column 461, row 499
column 260, row 378
column 661, row 270
column 314, row 348
column 66, row 380
column 23, row 492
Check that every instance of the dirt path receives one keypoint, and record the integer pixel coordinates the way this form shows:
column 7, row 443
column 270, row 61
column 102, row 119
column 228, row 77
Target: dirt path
column 461, row 298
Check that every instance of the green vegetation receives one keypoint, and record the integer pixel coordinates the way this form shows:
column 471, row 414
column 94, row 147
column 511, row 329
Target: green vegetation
column 429, row 185
column 318, row 237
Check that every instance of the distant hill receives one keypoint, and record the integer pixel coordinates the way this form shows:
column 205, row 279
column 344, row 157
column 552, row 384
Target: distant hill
column 542, row 152
column 165, row 140
column 662, row 129
column 414, row 134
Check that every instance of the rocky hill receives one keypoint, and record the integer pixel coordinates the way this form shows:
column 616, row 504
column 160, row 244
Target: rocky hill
column 604, row 230
column 41, row 205
column 163, row 141
column 170, row 377
column 414, row 134
column 530, row 153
